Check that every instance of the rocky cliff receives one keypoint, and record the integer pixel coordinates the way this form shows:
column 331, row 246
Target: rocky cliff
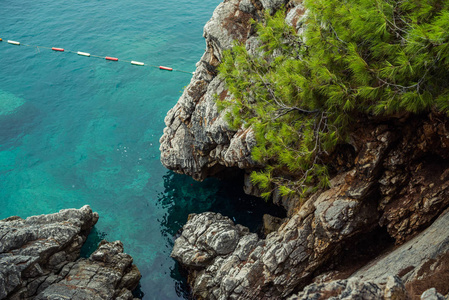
column 197, row 140
column 39, row 259
column 389, row 183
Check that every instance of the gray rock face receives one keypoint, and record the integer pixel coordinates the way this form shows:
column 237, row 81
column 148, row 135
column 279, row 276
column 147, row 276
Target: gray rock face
column 107, row 274
column 228, row 262
column 38, row 259
column 432, row 294
column 385, row 288
column 197, row 140
column 411, row 260
column 342, row 289
column 397, row 177
column 272, row 268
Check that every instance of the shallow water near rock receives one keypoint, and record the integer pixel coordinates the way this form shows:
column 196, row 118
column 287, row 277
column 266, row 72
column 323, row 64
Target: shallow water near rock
column 80, row 130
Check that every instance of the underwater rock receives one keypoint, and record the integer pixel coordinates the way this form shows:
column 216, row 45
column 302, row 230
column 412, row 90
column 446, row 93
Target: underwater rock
column 39, row 259
column 9, row 103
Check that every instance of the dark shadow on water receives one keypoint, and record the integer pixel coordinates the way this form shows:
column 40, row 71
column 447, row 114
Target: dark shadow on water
column 183, row 196
column 137, row 293
column 92, row 241
column 17, row 124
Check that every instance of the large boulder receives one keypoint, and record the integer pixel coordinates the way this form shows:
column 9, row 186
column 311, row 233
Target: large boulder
column 39, row 259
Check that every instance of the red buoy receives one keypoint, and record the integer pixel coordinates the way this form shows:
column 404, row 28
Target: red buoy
column 57, row 49
column 111, row 58
column 165, row 68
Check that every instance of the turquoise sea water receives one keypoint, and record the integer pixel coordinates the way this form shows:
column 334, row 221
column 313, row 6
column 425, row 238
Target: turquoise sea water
column 77, row 130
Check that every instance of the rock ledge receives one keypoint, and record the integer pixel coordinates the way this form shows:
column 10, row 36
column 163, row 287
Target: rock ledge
column 39, row 259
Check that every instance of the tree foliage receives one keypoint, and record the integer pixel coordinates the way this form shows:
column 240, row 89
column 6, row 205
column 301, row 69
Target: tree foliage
column 299, row 92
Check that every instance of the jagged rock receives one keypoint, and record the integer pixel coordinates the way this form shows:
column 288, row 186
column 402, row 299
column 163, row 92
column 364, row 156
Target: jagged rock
column 342, row 289
column 432, row 294
column 285, row 259
column 197, row 141
column 205, row 237
column 38, row 259
column 395, row 289
column 421, row 263
column 386, row 288
column 415, row 183
column 395, row 176
column 107, row 274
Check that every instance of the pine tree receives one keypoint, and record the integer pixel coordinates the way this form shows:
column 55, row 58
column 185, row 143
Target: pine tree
column 299, row 93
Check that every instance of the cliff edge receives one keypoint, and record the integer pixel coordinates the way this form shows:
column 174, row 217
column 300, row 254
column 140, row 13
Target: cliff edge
column 377, row 233
column 39, row 259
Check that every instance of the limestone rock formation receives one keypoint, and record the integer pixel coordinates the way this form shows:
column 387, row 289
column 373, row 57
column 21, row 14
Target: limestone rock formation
column 39, row 259
column 355, row 205
column 385, row 288
column 229, row 262
column 422, row 262
column 391, row 176
column 197, row 140
column 354, row 288
column 285, row 260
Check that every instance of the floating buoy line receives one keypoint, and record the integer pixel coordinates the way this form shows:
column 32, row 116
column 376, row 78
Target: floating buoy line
column 110, row 58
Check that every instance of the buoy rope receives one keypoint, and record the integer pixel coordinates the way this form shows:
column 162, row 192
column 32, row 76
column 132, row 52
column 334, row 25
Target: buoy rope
column 110, row 58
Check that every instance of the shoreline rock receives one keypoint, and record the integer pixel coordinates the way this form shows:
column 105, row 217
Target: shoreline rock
column 392, row 176
column 39, row 259
column 197, row 140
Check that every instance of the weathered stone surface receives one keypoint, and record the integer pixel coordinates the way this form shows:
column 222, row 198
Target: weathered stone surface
column 395, row 176
column 414, row 184
column 342, row 289
column 411, row 260
column 271, row 224
column 107, row 274
column 205, row 237
column 273, row 267
column 38, row 259
column 197, row 140
column 386, row 288
column 286, row 259
column 432, row 294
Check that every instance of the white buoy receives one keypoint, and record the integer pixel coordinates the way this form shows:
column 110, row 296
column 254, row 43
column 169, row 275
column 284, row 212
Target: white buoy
column 14, row 42
column 138, row 63
column 83, row 53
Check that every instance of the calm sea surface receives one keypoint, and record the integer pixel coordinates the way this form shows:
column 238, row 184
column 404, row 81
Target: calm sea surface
column 80, row 130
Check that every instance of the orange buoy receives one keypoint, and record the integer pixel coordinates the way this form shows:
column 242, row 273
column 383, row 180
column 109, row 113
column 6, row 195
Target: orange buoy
column 111, row 58
column 165, row 68
column 1, row 39
column 57, row 49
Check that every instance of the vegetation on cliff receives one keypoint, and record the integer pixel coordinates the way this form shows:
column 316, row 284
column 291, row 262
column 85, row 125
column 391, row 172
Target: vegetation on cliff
column 299, row 92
